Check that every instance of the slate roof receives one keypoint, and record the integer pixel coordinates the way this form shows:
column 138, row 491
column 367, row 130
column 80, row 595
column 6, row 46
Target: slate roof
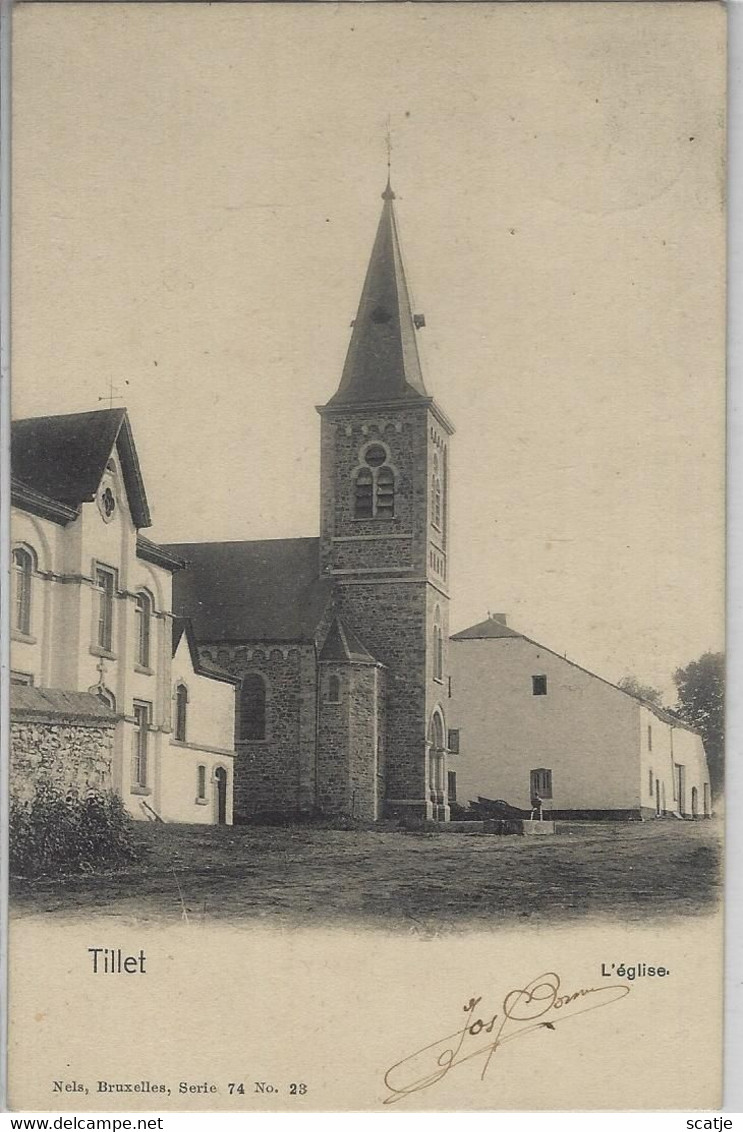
column 151, row 552
column 28, row 499
column 491, row 627
column 267, row 590
column 342, row 644
column 28, row 702
column 63, row 458
column 382, row 363
column 183, row 627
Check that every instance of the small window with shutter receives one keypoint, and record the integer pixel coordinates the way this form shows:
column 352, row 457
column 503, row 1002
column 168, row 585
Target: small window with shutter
column 540, row 783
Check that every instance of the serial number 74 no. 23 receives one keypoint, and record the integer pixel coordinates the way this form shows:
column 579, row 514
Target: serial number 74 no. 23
column 295, row 1089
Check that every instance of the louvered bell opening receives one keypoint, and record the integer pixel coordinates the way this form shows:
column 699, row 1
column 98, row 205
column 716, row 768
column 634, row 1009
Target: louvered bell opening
column 385, row 493
column 364, row 497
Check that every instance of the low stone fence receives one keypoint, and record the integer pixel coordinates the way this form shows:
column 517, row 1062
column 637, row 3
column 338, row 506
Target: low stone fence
column 61, row 739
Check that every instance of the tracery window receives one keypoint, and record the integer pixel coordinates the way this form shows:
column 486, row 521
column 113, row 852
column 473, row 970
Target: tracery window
column 374, row 485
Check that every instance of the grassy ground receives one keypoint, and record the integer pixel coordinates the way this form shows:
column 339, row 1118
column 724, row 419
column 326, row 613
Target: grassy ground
column 408, row 881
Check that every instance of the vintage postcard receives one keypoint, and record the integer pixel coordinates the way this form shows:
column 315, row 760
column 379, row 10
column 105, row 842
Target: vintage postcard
column 366, row 555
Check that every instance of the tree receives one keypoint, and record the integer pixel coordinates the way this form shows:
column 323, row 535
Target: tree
column 635, row 687
column 701, row 703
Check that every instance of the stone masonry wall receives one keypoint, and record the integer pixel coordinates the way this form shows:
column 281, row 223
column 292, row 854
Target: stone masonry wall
column 400, row 541
column 70, row 756
column 274, row 775
column 350, row 768
column 363, row 781
column 351, row 738
column 381, row 568
column 334, row 737
column 391, row 621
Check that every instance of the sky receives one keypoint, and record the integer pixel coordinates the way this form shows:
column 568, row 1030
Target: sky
column 196, row 191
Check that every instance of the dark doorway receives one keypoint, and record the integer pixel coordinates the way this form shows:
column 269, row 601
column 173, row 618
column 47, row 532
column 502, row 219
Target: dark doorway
column 220, row 777
column 681, row 788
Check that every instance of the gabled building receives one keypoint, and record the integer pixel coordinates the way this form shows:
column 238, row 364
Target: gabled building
column 340, row 642
column 98, row 699
column 534, row 725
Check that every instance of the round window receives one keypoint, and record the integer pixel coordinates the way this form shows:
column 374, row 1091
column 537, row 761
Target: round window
column 375, row 456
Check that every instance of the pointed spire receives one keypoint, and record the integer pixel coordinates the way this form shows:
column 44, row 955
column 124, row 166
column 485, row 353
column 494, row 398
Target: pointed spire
column 382, row 363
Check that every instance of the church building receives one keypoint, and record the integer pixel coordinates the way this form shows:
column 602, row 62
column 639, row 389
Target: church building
column 340, row 642
column 288, row 677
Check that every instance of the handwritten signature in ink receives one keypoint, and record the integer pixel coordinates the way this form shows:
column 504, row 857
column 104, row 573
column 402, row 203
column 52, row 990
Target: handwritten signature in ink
column 540, row 1004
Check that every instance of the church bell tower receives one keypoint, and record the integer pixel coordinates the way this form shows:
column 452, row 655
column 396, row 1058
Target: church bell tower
column 384, row 537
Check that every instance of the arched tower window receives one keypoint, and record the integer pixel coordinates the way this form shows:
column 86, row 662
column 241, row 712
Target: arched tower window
column 438, row 646
column 374, row 485
column 24, row 565
column 253, row 707
column 437, row 732
column 181, row 712
column 364, row 494
column 143, row 615
column 385, row 493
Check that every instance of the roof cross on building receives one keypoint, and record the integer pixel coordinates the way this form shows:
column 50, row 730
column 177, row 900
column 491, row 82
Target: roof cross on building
column 113, row 394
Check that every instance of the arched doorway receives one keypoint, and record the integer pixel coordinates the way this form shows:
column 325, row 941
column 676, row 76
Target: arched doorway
column 694, row 802
column 220, row 777
column 658, row 809
column 437, row 784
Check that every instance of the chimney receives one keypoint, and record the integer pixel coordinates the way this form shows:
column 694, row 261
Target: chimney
column 500, row 617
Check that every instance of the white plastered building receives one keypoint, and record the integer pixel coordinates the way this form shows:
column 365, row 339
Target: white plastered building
column 91, row 614
column 533, row 724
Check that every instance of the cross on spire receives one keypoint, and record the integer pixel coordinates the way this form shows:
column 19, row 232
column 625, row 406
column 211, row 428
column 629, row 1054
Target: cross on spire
column 388, row 193
column 112, row 395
